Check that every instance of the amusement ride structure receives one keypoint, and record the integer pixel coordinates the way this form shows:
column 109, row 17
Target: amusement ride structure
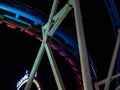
column 53, row 37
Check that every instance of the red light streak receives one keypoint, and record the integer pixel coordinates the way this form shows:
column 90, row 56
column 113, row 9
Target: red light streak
column 70, row 61
column 11, row 26
column 29, row 32
column 39, row 38
column 55, row 47
column 1, row 21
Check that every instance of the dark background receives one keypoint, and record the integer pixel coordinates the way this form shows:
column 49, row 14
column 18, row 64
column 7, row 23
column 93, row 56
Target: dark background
column 18, row 50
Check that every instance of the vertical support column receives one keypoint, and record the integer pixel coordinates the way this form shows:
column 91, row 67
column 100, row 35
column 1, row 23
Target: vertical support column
column 87, row 83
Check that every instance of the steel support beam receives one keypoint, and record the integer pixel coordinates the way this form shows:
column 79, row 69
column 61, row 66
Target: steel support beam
column 35, row 67
column 54, row 67
column 87, row 82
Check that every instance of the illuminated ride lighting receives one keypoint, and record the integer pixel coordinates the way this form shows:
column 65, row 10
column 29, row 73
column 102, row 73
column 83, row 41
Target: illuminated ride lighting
column 1, row 21
column 39, row 38
column 55, row 47
column 19, row 13
column 9, row 25
column 34, row 81
column 70, row 61
column 29, row 32
column 24, row 80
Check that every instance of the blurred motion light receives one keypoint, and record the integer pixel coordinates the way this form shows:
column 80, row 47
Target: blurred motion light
column 9, row 25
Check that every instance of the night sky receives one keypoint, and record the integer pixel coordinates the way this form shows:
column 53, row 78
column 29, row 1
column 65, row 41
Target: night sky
column 18, row 50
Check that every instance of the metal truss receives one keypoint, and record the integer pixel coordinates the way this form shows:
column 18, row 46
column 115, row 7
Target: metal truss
column 48, row 30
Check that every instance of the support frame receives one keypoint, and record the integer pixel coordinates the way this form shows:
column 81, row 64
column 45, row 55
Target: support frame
column 48, row 30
